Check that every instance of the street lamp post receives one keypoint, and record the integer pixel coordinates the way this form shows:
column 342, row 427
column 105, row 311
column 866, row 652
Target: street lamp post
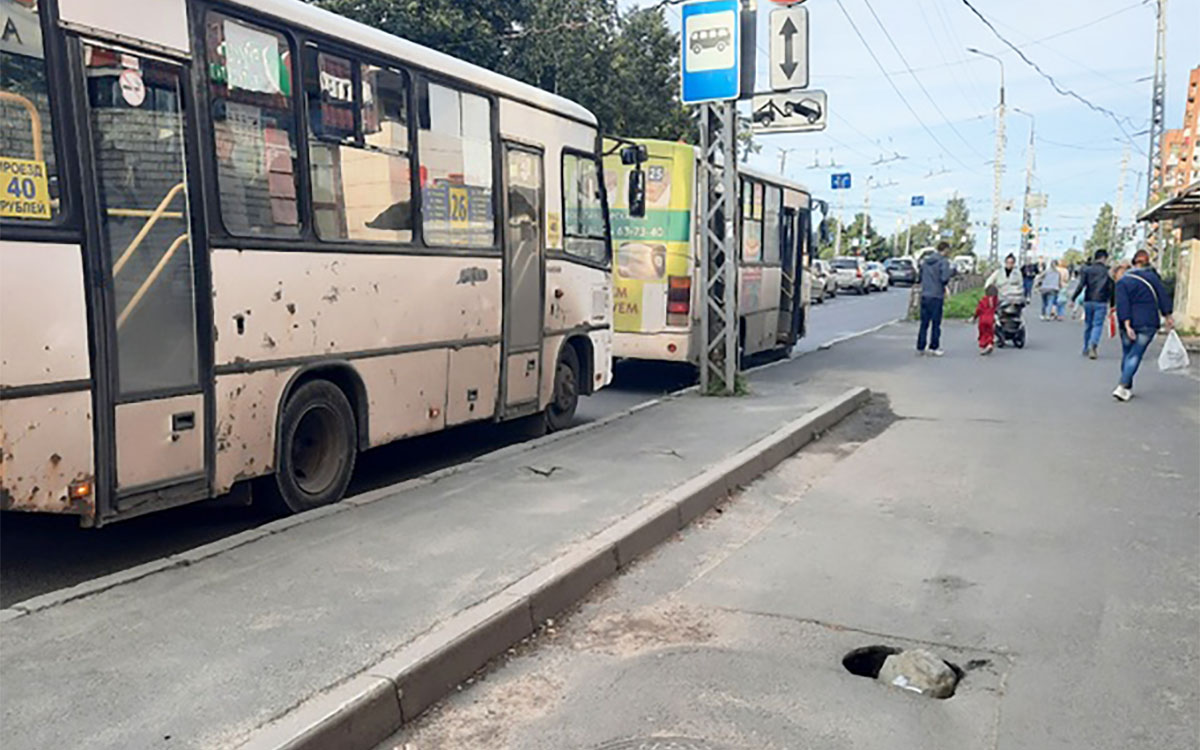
column 998, row 170
column 1026, row 209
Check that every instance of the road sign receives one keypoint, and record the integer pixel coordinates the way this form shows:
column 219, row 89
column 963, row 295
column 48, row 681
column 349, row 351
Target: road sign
column 839, row 181
column 796, row 112
column 918, row 200
column 789, row 48
column 711, row 51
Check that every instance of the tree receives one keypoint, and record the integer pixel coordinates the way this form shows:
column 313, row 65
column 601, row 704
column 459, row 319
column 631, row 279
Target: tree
column 1073, row 257
column 955, row 227
column 872, row 247
column 923, row 235
column 1101, row 231
column 645, row 80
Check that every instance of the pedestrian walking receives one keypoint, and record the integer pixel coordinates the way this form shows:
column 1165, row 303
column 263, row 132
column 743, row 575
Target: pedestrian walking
column 1096, row 289
column 985, row 315
column 933, row 274
column 1009, row 282
column 1049, row 284
column 1029, row 273
column 1141, row 299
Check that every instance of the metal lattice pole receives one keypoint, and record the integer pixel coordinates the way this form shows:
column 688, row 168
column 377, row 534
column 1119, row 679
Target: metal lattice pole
column 1154, row 185
column 1028, row 226
column 718, row 199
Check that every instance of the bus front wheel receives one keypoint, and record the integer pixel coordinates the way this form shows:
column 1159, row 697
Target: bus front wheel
column 317, row 449
column 565, row 398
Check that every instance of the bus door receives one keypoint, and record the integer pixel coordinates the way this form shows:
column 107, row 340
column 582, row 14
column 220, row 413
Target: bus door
column 524, row 271
column 790, row 297
column 142, row 233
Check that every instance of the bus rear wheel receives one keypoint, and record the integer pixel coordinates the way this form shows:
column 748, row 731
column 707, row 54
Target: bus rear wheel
column 565, row 398
column 317, row 449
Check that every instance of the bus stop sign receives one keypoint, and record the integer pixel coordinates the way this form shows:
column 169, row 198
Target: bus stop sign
column 711, row 41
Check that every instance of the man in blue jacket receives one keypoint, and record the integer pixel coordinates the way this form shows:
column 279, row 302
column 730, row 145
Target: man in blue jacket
column 934, row 273
column 1141, row 298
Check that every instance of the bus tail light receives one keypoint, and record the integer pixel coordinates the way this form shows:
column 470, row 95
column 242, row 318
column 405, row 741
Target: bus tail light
column 679, row 300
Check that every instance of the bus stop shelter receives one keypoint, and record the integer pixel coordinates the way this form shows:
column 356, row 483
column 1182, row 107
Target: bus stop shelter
column 1182, row 212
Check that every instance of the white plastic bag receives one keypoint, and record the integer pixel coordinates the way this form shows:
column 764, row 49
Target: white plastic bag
column 1173, row 356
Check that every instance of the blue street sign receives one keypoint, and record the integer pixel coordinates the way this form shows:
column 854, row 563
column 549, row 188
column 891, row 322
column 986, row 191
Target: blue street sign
column 918, row 200
column 711, row 51
column 839, row 181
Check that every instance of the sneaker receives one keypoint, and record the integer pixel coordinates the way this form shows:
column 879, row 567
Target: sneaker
column 936, row 352
column 1092, row 353
column 920, row 352
column 1121, row 393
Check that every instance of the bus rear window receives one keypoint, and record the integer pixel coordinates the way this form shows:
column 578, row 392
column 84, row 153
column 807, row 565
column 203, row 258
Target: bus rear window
column 250, row 84
column 29, row 188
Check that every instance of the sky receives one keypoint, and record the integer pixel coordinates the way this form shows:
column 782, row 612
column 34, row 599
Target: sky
column 1101, row 49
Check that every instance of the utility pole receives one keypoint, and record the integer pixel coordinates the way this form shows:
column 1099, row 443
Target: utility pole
column 998, row 165
column 1027, row 223
column 908, row 231
column 783, row 154
column 719, row 208
column 1157, row 114
column 1115, row 233
column 862, row 237
column 837, row 239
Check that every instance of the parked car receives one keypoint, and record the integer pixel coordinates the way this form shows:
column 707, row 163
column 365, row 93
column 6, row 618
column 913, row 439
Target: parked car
column 816, row 288
column 851, row 274
column 877, row 277
column 901, row 270
column 964, row 263
column 827, row 275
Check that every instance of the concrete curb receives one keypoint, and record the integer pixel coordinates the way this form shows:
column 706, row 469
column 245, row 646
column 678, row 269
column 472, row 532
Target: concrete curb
column 366, row 707
column 841, row 339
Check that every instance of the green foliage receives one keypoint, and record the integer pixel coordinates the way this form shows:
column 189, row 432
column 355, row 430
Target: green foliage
column 1102, row 236
column 1074, row 257
column 741, row 387
column 955, row 228
column 624, row 68
column 961, row 306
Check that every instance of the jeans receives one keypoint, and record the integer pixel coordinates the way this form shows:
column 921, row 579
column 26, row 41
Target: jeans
column 931, row 315
column 1027, row 284
column 1093, row 324
column 1049, row 298
column 1132, row 351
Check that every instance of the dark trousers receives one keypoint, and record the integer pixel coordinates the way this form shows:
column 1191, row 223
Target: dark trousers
column 931, row 315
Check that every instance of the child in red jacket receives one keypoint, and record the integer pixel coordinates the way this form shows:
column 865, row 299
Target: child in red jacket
column 985, row 313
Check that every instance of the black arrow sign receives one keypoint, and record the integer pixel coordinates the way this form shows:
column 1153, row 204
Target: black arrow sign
column 788, row 32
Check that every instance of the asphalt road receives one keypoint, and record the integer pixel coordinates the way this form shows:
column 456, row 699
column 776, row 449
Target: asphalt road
column 39, row 554
column 1048, row 546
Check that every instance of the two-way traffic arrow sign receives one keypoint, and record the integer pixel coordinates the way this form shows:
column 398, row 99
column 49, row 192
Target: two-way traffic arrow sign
column 789, row 48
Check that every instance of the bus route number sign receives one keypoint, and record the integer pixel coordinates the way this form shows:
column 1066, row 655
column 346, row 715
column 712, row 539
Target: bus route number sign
column 23, row 189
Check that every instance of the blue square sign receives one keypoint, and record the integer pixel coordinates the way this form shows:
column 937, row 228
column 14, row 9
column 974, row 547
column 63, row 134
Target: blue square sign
column 839, row 181
column 711, row 51
column 918, row 200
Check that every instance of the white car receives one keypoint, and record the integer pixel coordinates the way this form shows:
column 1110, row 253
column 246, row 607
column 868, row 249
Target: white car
column 851, row 274
column 877, row 276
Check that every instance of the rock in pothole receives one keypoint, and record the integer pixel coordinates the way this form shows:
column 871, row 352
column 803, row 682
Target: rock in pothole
column 916, row 670
column 921, row 672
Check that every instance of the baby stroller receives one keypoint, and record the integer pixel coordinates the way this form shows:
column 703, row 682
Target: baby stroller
column 1010, row 324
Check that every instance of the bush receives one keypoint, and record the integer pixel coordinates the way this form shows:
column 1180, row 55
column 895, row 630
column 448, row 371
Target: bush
column 961, row 306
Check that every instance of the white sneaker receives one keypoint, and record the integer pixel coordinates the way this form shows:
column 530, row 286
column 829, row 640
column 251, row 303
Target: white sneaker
column 936, row 352
column 1121, row 393
column 920, row 352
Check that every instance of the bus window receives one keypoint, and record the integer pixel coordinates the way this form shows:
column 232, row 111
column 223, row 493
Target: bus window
column 361, row 175
column 583, row 209
column 771, row 238
column 752, row 204
column 250, row 85
column 456, row 152
column 29, row 188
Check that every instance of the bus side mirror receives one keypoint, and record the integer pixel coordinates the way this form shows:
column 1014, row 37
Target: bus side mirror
column 637, row 193
column 823, row 232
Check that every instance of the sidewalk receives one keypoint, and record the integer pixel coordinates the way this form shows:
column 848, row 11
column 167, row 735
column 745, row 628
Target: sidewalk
column 203, row 654
column 1010, row 515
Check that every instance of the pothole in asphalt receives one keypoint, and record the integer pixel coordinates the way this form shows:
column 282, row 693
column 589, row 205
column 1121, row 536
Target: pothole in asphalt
column 916, row 670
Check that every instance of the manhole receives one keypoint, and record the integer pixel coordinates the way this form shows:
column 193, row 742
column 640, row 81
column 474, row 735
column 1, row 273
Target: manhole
column 868, row 662
column 662, row 743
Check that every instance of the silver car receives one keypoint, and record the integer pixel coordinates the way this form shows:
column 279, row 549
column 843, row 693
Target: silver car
column 851, row 274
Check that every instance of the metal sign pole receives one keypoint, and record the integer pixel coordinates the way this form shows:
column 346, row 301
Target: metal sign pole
column 718, row 199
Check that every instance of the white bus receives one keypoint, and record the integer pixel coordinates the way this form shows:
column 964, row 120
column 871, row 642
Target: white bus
column 656, row 276
column 249, row 238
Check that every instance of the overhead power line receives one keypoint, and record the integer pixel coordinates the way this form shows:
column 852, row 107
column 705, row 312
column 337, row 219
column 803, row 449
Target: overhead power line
column 1054, row 83
column 928, row 96
column 896, row 88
